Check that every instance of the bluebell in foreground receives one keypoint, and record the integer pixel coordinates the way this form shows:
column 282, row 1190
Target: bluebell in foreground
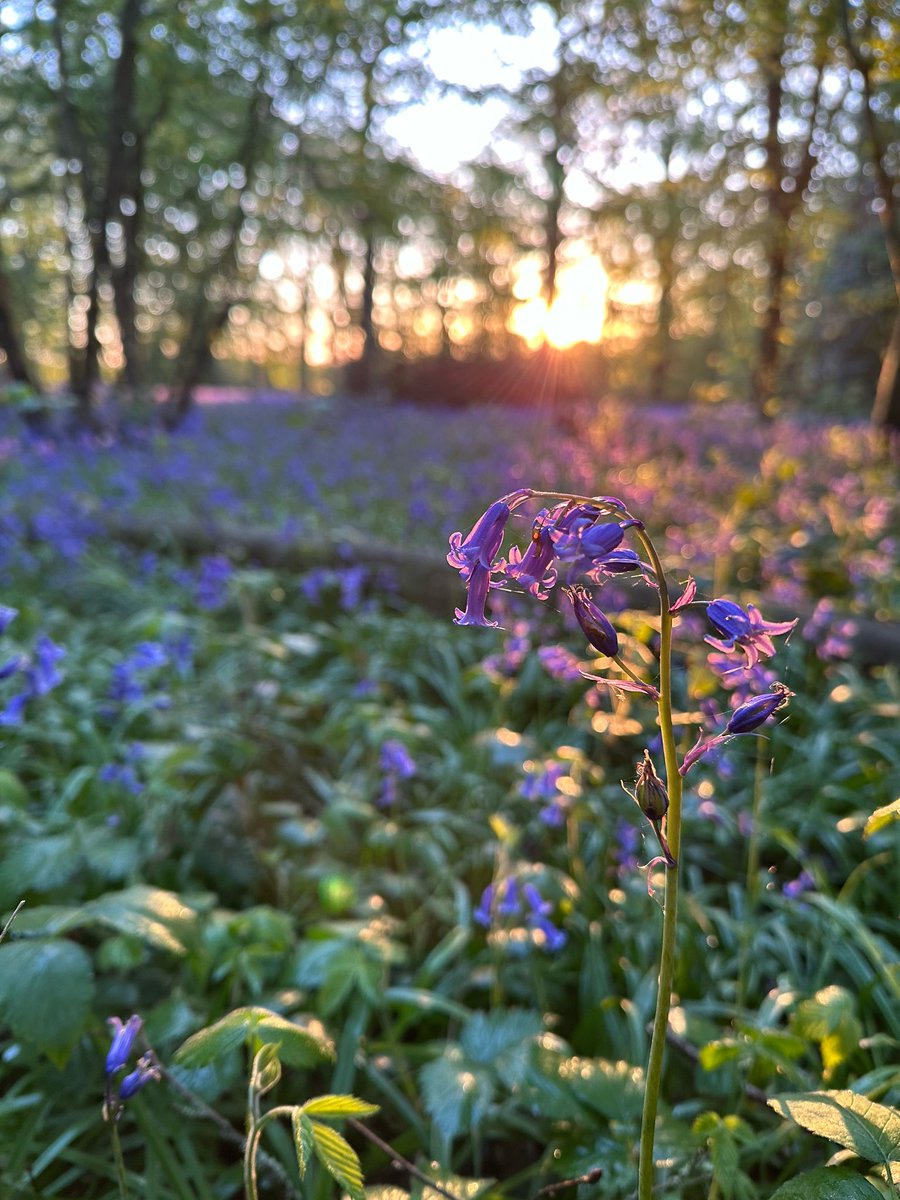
column 578, row 539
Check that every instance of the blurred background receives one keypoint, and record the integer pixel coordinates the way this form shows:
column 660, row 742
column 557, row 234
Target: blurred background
column 451, row 201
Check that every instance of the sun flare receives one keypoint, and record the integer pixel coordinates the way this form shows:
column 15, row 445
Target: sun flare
column 576, row 315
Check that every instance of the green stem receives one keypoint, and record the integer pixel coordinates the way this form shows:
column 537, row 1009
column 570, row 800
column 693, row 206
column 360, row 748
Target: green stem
column 670, row 914
column 121, row 1177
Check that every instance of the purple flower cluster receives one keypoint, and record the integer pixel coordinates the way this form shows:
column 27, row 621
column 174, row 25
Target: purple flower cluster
column 508, row 902
column 124, row 1035
column 36, row 673
column 396, row 764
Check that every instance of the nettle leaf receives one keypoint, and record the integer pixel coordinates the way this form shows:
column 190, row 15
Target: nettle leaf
column 615, row 1090
column 881, row 818
column 827, row 1183
column 46, row 987
column 336, row 1106
column 502, row 1040
column 338, row 1158
column 870, row 1130
column 303, row 1139
column 299, row 1045
column 456, row 1092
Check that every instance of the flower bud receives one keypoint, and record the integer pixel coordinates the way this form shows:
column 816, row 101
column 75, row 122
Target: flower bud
column 595, row 626
column 650, row 791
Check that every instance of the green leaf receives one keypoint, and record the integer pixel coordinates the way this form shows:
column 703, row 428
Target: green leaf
column 303, row 1139
column 299, row 1045
column 456, row 1091
column 870, row 1130
column 46, row 986
column 881, row 818
column 830, row 1019
column 214, row 1042
column 338, row 1157
column 502, row 1040
column 716, row 1054
column 157, row 917
column 615, row 1090
column 338, row 1106
column 827, row 1183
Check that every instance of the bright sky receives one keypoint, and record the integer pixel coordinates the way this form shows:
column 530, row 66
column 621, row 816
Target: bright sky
column 446, row 131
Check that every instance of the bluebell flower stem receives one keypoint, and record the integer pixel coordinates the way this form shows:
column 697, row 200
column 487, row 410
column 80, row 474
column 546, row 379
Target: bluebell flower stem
column 653, row 1082
column 121, row 1177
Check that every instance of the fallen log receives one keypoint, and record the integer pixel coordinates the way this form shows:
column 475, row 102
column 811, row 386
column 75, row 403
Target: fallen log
column 413, row 575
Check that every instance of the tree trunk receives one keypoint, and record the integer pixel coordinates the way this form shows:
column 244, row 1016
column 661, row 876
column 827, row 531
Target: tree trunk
column 16, row 362
column 360, row 372
column 886, row 407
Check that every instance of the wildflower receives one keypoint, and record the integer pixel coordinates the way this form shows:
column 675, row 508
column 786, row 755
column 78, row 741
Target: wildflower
column 122, row 1042
column 478, row 583
column 553, row 938
column 752, row 713
column 650, row 791
column 597, row 629
column 7, row 616
column 42, row 674
column 744, row 628
column 510, row 905
column 746, row 718
column 796, row 887
column 533, row 569
column 483, row 913
column 396, row 758
column 486, row 535
column 145, row 1070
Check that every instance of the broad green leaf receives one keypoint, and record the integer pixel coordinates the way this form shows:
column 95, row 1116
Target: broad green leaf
column 215, row 1041
column 830, row 1018
column 716, row 1054
column 338, row 1157
column 827, row 1183
column 157, row 917
column 615, row 1090
column 870, row 1130
column 503, row 1041
column 299, row 1045
column 456, row 1091
column 303, row 1139
column 881, row 818
column 46, row 986
column 46, row 863
column 338, row 1106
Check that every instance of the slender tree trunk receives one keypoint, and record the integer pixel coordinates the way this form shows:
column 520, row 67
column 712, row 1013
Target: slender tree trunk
column 360, row 372
column 886, row 407
column 764, row 380
column 16, row 363
column 205, row 321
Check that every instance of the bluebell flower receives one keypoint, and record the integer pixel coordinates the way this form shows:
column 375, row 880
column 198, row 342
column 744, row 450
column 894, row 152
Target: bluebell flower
column 478, row 585
column 796, row 887
column 595, row 626
column 43, row 675
column 396, row 758
column 509, row 904
column 483, row 914
column 144, row 1072
column 744, row 629
column 753, row 713
column 533, row 570
column 538, row 918
column 483, row 541
column 7, row 616
column 12, row 666
column 212, row 581
column 122, row 1043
